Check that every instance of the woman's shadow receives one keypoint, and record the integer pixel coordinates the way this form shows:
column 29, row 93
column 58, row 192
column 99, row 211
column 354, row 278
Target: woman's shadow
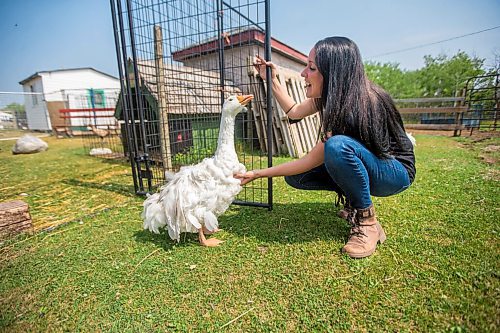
column 285, row 223
column 288, row 223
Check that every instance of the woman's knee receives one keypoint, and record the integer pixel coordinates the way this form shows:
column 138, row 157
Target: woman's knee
column 337, row 142
column 292, row 181
column 337, row 146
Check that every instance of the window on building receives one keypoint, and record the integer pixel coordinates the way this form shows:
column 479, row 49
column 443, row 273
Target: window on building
column 34, row 98
column 96, row 98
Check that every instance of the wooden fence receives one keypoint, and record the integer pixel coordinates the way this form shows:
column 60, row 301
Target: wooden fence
column 439, row 116
column 292, row 139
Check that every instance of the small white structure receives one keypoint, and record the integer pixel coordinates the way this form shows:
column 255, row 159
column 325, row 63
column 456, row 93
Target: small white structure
column 76, row 88
column 6, row 120
column 7, row 117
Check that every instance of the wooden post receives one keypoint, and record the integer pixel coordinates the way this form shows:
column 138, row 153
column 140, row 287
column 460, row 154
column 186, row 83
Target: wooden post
column 166, row 154
column 459, row 116
column 496, row 94
column 14, row 218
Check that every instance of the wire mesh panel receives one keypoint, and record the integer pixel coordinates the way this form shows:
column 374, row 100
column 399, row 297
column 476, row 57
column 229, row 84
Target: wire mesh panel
column 90, row 113
column 483, row 99
column 179, row 60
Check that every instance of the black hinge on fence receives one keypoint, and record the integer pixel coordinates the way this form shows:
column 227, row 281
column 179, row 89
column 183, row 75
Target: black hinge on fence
column 142, row 163
column 146, row 174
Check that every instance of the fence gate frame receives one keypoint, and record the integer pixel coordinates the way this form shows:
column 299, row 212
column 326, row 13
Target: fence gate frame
column 133, row 97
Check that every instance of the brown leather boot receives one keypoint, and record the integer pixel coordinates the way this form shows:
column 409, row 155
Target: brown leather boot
column 366, row 232
column 344, row 212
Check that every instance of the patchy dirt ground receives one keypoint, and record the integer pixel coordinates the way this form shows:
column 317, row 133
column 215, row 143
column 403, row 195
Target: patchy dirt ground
column 465, row 134
column 481, row 135
column 486, row 143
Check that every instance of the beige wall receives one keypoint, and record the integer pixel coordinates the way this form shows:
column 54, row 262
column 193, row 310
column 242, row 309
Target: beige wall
column 237, row 63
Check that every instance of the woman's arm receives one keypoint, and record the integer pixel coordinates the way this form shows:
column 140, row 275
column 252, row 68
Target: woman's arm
column 292, row 109
column 311, row 160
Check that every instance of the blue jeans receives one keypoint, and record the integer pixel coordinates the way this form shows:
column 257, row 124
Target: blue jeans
column 350, row 169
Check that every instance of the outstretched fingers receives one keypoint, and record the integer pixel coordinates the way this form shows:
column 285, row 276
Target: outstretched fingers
column 246, row 177
column 260, row 65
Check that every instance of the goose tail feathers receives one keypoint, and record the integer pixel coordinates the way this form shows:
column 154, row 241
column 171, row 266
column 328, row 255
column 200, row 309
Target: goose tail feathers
column 154, row 214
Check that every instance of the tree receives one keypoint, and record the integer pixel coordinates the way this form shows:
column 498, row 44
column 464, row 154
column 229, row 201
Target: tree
column 443, row 76
column 18, row 108
column 397, row 82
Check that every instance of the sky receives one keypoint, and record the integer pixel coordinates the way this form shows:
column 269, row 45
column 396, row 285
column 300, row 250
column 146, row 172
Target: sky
column 54, row 34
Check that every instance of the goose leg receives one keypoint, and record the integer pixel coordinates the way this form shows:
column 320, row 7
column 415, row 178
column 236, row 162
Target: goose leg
column 208, row 232
column 207, row 242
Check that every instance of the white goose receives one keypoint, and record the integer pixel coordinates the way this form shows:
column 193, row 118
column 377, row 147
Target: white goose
column 195, row 196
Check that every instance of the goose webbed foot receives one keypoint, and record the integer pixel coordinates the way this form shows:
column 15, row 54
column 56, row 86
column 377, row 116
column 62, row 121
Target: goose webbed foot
column 211, row 242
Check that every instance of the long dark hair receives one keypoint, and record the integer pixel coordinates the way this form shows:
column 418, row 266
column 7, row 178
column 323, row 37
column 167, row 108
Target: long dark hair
column 350, row 104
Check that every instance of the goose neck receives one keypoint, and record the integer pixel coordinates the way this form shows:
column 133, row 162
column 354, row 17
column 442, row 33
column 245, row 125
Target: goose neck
column 225, row 142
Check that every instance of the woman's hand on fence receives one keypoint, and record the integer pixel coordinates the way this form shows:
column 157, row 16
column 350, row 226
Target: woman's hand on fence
column 260, row 65
column 247, row 177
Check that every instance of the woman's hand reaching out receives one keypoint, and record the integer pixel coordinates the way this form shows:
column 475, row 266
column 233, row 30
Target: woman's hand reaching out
column 247, row 177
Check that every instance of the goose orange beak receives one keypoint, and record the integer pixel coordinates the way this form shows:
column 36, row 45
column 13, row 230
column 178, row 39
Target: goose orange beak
column 244, row 99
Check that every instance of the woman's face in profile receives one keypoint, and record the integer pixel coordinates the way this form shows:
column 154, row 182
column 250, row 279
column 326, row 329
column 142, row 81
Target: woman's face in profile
column 312, row 76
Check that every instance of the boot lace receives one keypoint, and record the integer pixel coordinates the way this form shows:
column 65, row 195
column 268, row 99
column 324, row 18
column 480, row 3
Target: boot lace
column 356, row 229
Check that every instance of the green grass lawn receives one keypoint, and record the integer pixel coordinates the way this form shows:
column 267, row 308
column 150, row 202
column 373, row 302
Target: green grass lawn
column 278, row 271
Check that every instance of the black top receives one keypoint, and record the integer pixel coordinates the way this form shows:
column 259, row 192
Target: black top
column 404, row 154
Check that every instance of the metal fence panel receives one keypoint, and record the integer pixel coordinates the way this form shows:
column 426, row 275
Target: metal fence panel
column 178, row 61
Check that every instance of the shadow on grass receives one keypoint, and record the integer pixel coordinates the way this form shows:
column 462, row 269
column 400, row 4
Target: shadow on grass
column 115, row 161
column 286, row 224
column 127, row 190
column 163, row 241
